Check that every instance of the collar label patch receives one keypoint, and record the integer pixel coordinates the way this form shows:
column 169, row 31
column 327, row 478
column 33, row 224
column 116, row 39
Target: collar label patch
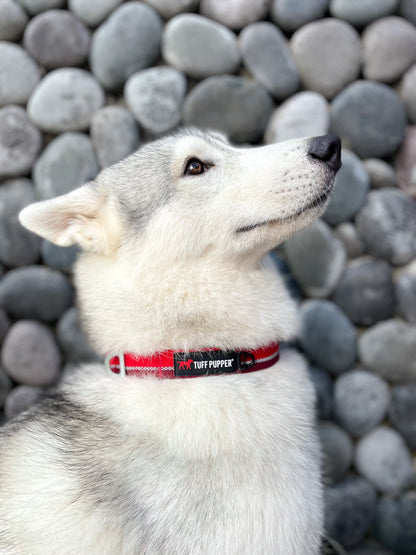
column 203, row 363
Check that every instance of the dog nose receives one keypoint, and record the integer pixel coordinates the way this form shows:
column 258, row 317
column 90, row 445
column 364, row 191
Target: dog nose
column 328, row 149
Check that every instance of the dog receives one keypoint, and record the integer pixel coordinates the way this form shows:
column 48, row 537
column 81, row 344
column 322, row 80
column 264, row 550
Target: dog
column 152, row 453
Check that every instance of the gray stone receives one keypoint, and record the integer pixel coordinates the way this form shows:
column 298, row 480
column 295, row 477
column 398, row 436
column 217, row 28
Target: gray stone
column 382, row 457
column 30, row 354
column 361, row 400
column 59, row 258
column 34, row 7
column 290, row 15
column 370, row 118
column 405, row 291
column 66, row 163
column 387, row 225
column 65, row 100
column 19, row 399
column 13, row 20
column 328, row 55
column 35, row 292
column 394, row 524
column 93, row 12
column 352, row 241
column 337, row 452
column 267, row 56
column 350, row 190
column 349, row 511
column 56, row 38
column 405, row 163
column 5, row 386
column 20, row 142
column 72, row 339
column 236, row 106
column 370, row 547
column 381, row 173
column 402, row 412
column 362, row 12
column 4, row 325
column 19, row 74
column 200, row 47
column 389, row 349
column 129, row 40
column 327, row 336
column 388, row 64
column 407, row 92
column 155, row 96
column 235, row 14
column 324, row 391
column 316, row 258
column 365, row 291
column 169, row 8
column 305, row 114
column 408, row 10
column 114, row 134
column 18, row 247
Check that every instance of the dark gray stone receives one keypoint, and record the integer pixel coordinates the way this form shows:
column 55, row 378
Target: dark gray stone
column 290, row 15
column 56, row 38
column 352, row 241
column 59, row 258
column 236, row 106
column 370, row 547
column 324, row 390
column 350, row 190
column 365, row 291
column 114, row 134
column 18, row 247
column 155, row 97
column 19, row 74
column 405, row 290
column 387, row 226
column 327, row 336
column 19, row 399
column 408, row 10
column 13, row 20
column 6, row 385
column 337, row 452
column 267, row 56
column 170, row 8
column 402, row 412
column 350, row 507
column 364, row 114
column 72, row 338
column 362, row 12
column 4, row 325
column 381, row 173
column 30, row 354
column 395, row 523
column 66, row 163
column 20, row 142
column 237, row 13
column 35, row 292
column 316, row 258
column 65, row 100
column 361, row 400
column 34, row 7
column 129, row 40
column 282, row 268
column 199, row 46
column 93, row 12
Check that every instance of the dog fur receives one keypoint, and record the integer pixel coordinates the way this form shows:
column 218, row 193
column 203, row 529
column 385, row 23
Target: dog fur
column 215, row 465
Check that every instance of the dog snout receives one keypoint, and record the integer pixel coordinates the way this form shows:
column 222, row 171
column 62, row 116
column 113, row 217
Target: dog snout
column 326, row 148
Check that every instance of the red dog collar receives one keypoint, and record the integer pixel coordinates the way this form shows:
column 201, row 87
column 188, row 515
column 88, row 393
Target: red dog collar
column 191, row 364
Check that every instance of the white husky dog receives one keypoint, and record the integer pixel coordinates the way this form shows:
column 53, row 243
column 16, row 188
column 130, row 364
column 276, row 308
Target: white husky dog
column 212, row 450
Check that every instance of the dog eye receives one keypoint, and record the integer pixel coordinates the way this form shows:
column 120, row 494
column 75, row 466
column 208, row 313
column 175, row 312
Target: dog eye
column 194, row 167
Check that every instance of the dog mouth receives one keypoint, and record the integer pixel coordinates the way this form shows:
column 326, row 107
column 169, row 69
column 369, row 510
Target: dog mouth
column 317, row 202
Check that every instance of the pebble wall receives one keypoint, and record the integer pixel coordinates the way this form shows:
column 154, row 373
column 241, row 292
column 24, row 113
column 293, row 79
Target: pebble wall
column 84, row 83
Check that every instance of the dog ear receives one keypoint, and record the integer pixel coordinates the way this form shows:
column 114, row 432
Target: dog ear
column 84, row 217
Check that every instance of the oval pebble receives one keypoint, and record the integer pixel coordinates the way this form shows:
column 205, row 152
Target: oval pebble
column 324, row 391
column 405, row 163
column 328, row 55
column 402, row 412
column 34, row 7
column 129, row 40
column 407, row 10
column 114, row 134
column 20, row 142
column 350, row 238
column 35, row 292
column 337, row 452
column 235, row 14
column 238, row 107
column 59, row 258
column 405, row 290
column 394, row 523
column 65, row 100
column 267, row 56
column 155, row 97
column 72, row 339
column 327, row 336
column 382, row 457
column 407, row 92
column 290, row 15
column 56, row 38
column 362, row 12
column 13, row 20
column 370, row 118
column 30, row 354
column 381, row 173
column 93, row 12
column 5, row 386
column 20, row 398
column 19, row 74
column 4, row 325
column 67, row 162
column 361, row 400
column 18, row 246
column 200, row 47
column 170, row 8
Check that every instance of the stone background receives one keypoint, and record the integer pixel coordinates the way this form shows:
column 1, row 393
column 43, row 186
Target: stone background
column 84, row 83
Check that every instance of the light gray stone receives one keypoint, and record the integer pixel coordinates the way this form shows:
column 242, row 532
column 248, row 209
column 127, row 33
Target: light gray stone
column 337, row 452
column 290, row 15
column 13, row 20
column 65, row 100
column 405, row 163
column 19, row 74
column 407, row 92
column 383, row 458
column 93, row 12
column 67, row 162
column 155, row 97
column 199, row 46
column 381, row 173
column 362, row 12
column 352, row 241
column 402, row 412
column 34, row 7
column 170, row 8
column 20, row 398
column 328, row 55
column 405, row 289
column 235, row 14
